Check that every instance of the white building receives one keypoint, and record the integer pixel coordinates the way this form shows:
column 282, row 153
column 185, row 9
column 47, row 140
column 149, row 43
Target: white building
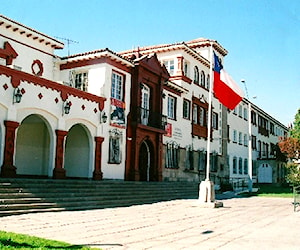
column 67, row 117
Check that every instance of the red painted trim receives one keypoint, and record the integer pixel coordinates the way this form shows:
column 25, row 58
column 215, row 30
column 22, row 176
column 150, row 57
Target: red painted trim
column 40, row 65
column 87, row 62
column 18, row 76
column 8, row 53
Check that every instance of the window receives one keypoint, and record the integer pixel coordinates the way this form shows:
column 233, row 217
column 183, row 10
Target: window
column 214, row 162
column 195, row 114
column 202, row 160
column 235, row 111
column 245, row 166
column 245, row 114
column 172, row 155
column 240, row 111
column 202, row 83
column 234, row 165
column 240, row 138
column 208, row 81
column 201, row 116
column 117, row 86
column 189, row 158
column 115, row 137
column 253, row 138
column 171, row 107
column 81, row 81
column 240, row 165
column 199, row 126
column 272, row 130
column 186, row 69
column 196, row 75
column 215, row 121
column 245, row 140
column 253, row 117
column 169, row 66
column 234, row 136
column 186, row 109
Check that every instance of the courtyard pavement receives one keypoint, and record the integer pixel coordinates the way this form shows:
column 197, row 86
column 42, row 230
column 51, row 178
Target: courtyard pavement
column 243, row 223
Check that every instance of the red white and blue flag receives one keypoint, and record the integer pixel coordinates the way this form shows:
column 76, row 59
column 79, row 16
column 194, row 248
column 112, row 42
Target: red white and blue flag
column 225, row 88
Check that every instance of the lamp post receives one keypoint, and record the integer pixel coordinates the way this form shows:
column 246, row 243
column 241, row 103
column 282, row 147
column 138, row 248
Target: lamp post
column 250, row 181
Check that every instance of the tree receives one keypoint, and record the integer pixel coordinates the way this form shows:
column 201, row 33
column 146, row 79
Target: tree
column 290, row 146
column 295, row 131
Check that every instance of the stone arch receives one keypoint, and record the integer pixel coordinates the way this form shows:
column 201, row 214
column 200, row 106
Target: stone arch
column 32, row 157
column 77, row 161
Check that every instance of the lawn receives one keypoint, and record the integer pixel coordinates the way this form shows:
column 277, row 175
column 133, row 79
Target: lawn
column 269, row 190
column 24, row 242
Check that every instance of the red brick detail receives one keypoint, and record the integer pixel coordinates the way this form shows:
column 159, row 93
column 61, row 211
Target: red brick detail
column 8, row 169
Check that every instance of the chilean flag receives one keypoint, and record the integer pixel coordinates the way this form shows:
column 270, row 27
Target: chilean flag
column 225, row 88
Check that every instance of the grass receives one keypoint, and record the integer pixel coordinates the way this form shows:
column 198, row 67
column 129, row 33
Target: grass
column 23, row 242
column 269, row 190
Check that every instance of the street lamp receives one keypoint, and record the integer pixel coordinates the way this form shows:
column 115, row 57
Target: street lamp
column 67, row 107
column 17, row 95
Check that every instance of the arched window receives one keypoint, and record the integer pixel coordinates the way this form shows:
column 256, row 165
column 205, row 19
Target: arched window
column 208, row 81
column 196, row 75
column 202, row 79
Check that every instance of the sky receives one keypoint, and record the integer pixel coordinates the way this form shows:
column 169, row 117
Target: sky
column 262, row 36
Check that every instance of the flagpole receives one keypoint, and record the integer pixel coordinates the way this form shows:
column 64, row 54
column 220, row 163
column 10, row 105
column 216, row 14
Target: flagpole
column 209, row 113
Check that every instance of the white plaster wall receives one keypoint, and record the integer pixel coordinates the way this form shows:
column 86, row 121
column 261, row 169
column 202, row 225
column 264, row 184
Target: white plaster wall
column 29, row 50
column 182, row 128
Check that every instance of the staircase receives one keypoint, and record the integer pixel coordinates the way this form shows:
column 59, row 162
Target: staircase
column 18, row 196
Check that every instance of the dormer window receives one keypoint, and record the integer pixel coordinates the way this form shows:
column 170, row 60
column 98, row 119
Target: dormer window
column 170, row 66
column 81, row 81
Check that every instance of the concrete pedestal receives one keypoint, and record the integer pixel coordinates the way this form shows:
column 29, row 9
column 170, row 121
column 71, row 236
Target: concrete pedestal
column 207, row 195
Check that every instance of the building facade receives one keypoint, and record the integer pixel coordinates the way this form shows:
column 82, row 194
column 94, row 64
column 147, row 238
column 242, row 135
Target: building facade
column 135, row 115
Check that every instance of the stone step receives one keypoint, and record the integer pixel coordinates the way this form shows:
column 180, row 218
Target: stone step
column 19, row 196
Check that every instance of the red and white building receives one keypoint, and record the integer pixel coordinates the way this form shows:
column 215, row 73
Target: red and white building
column 136, row 115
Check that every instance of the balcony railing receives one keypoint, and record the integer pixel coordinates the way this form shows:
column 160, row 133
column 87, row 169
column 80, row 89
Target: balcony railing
column 150, row 118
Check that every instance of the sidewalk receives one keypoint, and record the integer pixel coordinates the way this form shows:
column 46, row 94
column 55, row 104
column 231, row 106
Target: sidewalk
column 243, row 223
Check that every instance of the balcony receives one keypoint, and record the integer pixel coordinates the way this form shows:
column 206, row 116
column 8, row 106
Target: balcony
column 150, row 118
column 263, row 131
column 199, row 130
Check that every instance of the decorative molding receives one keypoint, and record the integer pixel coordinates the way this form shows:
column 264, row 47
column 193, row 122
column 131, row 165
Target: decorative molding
column 65, row 91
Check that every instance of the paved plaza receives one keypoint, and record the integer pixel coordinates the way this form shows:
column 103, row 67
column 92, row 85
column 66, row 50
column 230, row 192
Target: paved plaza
column 243, row 223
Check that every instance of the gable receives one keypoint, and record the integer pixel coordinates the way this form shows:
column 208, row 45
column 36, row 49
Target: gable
column 152, row 62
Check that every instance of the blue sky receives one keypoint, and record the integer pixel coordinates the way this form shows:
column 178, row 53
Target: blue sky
column 261, row 36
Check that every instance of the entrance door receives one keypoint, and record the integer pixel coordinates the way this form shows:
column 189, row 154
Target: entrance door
column 265, row 173
column 145, row 105
column 146, row 162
